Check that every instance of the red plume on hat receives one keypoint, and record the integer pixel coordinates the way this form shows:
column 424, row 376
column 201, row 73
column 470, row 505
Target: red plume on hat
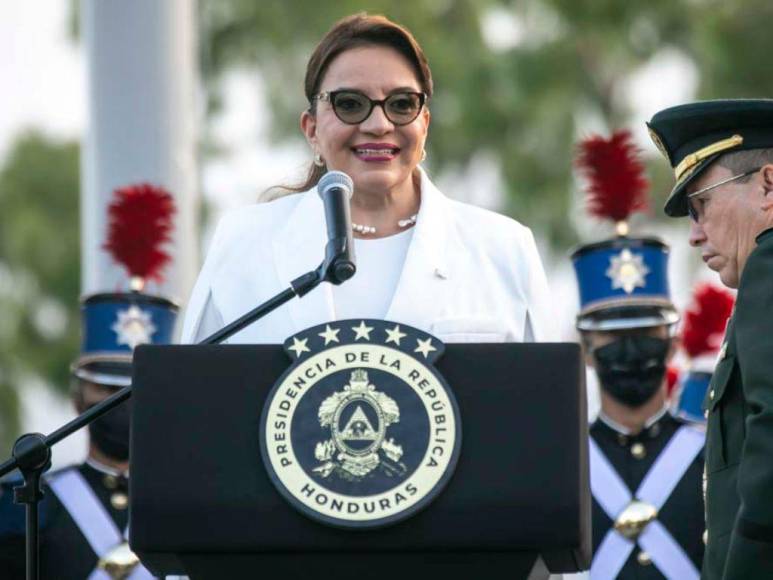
column 705, row 320
column 616, row 184
column 140, row 223
column 672, row 378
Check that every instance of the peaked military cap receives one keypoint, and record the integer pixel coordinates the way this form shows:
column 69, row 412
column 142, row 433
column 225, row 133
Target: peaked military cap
column 694, row 135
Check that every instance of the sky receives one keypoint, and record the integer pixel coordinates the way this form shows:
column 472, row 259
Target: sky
column 43, row 70
column 45, row 88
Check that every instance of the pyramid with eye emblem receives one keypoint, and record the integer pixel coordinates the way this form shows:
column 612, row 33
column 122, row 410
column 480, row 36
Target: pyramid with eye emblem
column 358, row 428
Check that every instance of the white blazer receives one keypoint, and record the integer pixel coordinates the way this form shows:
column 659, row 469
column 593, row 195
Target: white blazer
column 470, row 275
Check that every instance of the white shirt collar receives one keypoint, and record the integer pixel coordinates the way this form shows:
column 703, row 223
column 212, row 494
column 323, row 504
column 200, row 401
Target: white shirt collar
column 612, row 424
column 106, row 469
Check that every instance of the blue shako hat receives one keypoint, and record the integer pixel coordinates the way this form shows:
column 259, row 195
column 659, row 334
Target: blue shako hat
column 623, row 281
column 114, row 324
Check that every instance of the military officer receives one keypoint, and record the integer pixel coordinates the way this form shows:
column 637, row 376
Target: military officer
column 722, row 155
column 84, row 513
column 646, row 465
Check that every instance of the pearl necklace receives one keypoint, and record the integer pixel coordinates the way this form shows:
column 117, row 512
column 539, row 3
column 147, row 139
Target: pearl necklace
column 372, row 230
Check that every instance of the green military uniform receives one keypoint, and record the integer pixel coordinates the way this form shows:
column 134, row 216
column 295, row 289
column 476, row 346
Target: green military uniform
column 739, row 402
column 739, row 449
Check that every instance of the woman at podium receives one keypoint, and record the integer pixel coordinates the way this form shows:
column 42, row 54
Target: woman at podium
column 462, row 273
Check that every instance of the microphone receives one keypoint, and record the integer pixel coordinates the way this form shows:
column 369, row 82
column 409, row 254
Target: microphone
column 335, row 188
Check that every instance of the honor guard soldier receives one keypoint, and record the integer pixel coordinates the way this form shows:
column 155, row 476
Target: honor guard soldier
column 84, row 511
column 645, row 464
column 722, row 155
column 702, row 334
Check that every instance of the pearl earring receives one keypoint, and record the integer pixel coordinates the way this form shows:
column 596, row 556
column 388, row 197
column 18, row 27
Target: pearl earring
column 423, row 154
column 318, row 160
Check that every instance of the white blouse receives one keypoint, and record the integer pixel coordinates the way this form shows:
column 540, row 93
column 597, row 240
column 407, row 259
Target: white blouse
column 379, row 265
column 466, row 274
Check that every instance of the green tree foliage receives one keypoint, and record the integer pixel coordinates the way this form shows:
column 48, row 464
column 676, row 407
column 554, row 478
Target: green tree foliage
column 521, row 103
column 731, row 46
column 39, row 270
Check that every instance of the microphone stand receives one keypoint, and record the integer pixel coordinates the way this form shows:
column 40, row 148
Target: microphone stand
column 31, row 452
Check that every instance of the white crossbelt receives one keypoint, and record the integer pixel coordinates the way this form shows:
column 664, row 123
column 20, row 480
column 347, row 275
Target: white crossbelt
column 613, row 496
column 92, row 519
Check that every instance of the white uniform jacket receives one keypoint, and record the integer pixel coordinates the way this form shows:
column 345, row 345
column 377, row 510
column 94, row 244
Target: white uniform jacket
column 470, row 275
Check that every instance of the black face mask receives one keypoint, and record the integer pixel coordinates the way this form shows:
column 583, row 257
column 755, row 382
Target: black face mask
column 631, row 369
column 110, row 432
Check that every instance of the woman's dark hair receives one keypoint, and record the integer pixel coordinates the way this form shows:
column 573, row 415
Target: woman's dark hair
column 350, row 32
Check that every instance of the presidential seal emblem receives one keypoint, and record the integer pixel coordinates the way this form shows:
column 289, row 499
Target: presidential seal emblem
column 361, row 431
column 357, row 447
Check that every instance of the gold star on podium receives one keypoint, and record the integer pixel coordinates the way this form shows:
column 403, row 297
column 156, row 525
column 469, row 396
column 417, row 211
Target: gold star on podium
column 425, row 347
column 362, row 331
column 330, row 335
column 299, row 346
column 395, row 335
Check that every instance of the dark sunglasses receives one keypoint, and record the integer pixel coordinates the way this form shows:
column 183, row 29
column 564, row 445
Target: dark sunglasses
column 353, row 107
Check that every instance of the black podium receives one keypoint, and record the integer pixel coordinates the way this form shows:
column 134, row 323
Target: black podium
column 202, row 502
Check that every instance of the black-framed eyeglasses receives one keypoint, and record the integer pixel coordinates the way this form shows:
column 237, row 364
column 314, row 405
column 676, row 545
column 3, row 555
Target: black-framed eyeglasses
column 353, row 107
column 695, row 205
